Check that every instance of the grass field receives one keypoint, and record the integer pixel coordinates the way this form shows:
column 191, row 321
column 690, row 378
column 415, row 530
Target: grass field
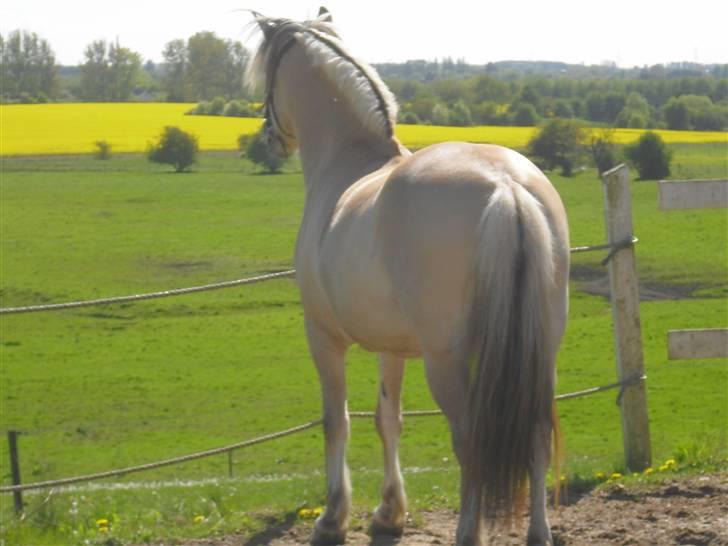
column 47, row 129
column 100, row 388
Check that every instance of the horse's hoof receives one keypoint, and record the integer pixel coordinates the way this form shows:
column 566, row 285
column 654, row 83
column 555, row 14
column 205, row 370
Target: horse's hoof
column 384, row 524
column 538, row 540
column 327, row 533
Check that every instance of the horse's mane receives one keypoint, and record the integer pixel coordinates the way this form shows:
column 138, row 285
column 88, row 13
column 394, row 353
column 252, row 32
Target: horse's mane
column 369, row 98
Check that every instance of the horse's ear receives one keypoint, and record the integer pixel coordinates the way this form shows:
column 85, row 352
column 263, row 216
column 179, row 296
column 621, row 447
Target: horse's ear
column 324, row 15
column 264, row 25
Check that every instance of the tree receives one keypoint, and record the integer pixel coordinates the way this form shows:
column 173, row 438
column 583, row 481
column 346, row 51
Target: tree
column 650, row 155
column 524, row 115
column 256, row 149
column 235, row 64
column 695, row 112
column 603, row 150
column 27, row 66
column 559, row 143
column 124, row 69
column 204, row 67
column 94, row 72
column 460, row 114
column 636, row 112
column 207, row 70
column 174, row 81
column 109, row 73
column 440, row 114
column 175, row 147
column 676, row 114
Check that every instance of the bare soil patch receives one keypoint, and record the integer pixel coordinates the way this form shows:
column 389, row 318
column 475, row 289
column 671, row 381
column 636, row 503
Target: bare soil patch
column 595, row 281
column 689, row 511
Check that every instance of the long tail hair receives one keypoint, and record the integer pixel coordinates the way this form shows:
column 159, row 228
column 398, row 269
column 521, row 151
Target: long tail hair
column 512, row 375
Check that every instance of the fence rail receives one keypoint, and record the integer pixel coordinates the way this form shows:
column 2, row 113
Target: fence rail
column 18, row 488
column 612, row 247
column 152, row 295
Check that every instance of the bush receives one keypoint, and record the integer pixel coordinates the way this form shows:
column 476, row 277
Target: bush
column 27, row 98
column 460, row 114
column 559, row 143
column 103, row 150
column 255, row 148
column 216, row 106
column 234, row 109
column 440, row 114
column 176, row 148
column 604, row 151
column 695, row 112
column 202, row 109
column 525, row 115
column 409, row 118
column 650, row 156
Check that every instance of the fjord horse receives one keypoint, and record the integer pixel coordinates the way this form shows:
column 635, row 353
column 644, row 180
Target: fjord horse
column 458, row 254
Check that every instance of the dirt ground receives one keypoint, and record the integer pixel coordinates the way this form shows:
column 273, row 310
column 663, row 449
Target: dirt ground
column 692, row 511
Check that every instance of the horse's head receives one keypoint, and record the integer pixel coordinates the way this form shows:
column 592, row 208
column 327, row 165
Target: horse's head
column 279, row 36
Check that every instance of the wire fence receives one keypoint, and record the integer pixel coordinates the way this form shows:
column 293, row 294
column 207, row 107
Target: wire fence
column 270, row 437
column 291, row 273
column 17, row 488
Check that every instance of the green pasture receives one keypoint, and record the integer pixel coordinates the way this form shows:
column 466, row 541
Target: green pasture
column 99, row 388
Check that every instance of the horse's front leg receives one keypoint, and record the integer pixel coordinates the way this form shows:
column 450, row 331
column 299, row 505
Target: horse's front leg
column 389, row 517
column 328, row 354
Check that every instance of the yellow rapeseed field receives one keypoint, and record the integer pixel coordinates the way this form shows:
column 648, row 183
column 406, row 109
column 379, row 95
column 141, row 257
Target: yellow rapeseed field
column 41, row 129
column 38, row 129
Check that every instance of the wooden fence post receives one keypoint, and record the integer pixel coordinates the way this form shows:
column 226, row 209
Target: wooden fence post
column 15, row 469
column 626, row 317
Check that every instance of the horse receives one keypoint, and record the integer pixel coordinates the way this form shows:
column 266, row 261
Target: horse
column 457, row 254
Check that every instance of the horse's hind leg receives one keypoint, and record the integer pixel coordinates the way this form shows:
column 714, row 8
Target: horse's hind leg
column 539, row 533
column 389, row 517
column 447, row 377
column 328, row 355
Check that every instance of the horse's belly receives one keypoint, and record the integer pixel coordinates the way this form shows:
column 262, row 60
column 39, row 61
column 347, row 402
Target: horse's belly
column 382, row 336
column 367, row 311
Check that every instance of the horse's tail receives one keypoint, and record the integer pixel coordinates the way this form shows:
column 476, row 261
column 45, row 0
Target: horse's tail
column 512, row 372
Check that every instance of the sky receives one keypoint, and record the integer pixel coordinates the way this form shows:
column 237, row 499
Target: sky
column 627, row 32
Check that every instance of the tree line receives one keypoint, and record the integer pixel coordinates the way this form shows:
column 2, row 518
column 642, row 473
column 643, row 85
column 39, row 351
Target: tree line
column 685, row 102
column 201, row 67
column 210, row 69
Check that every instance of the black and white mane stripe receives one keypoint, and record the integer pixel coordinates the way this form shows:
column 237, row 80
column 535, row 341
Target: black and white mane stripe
column 369, row 98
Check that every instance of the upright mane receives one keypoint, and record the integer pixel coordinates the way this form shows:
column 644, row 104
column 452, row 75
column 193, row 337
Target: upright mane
column 368, row 97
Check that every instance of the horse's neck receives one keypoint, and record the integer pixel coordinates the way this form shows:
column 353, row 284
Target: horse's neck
column 335, row 149
column 332, row 162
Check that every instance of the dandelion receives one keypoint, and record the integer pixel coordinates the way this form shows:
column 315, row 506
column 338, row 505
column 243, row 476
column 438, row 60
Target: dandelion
column 103, row 529
column 310, row 513
column 599, row 475
column 649, row 470
column 103, row 522
column 670, row 463
column 199, row 519
column 615, row 476
column 663, row 468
